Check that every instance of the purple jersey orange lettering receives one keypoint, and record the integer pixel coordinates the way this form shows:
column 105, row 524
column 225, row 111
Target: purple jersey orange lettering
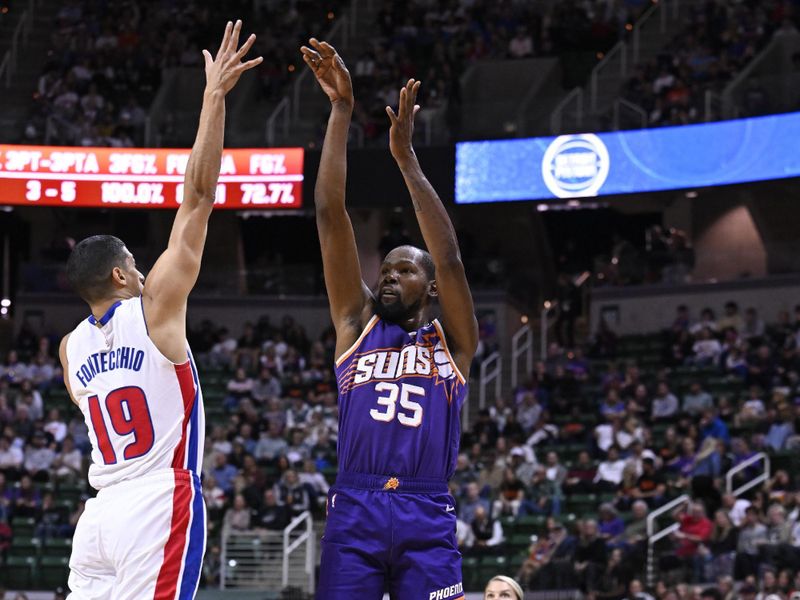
column 400, row 398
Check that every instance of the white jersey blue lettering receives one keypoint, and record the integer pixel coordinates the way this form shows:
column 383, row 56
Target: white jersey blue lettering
column 144, row 412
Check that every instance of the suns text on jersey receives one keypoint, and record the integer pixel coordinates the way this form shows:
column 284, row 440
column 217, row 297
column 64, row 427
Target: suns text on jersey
column 125, row 357
column 391, row 364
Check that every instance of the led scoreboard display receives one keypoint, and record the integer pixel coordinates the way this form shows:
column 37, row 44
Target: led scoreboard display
column 267, row 178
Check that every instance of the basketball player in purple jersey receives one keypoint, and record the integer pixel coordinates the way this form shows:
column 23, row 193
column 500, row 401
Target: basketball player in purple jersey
column 401, row 374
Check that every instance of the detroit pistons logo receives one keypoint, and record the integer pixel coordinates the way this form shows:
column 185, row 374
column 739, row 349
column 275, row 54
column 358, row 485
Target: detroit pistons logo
column 576, row 166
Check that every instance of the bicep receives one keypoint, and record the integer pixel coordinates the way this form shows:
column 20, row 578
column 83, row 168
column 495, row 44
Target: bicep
column 176, row 270
column 347, row 293
column 458, row 312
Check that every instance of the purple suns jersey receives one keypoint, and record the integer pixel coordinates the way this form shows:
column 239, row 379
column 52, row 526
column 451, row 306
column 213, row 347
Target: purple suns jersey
column 400, row 398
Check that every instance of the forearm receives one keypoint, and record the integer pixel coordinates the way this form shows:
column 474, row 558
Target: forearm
column 434, row 222
column 329, row 191
column 202, row 170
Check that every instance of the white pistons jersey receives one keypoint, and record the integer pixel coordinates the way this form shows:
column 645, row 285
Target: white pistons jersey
column 144, row 413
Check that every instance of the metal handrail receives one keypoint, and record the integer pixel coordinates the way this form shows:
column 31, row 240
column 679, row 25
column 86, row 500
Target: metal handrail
column 521, row 345
column 620, row 48
column 637, row 28
column 621, row 103
column 282, row 110
column 557, row 116
column 753, row 482
column 490, row 371
column 544, row 326
column 22, row 30
column 654, row 536
column 306, row 537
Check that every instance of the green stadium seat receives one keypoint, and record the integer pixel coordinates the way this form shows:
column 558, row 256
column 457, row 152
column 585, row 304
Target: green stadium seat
column 24, row 546
column 57, row 547
column 53, row 572
column 23, row 526
column 18, row 572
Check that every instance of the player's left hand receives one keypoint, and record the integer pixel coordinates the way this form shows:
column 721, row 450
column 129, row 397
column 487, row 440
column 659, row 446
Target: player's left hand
column 223, row 71
column 401, row 132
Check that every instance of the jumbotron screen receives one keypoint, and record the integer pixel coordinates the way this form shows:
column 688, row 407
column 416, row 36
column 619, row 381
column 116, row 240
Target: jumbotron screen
column 265, row 178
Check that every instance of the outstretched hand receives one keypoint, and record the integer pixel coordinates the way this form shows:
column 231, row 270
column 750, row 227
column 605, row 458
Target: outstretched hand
column 401, row 132
column 223, row 71
column 330, row 71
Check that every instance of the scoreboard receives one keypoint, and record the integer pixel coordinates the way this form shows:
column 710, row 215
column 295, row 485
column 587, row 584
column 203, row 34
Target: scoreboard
column 250, row 179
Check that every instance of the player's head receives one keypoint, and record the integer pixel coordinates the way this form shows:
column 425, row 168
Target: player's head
column 101, row 267
column 406, row 285
column 502, row 587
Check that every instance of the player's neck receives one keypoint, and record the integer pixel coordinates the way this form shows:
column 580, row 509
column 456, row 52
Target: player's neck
column 100, row 308
column 414, row 322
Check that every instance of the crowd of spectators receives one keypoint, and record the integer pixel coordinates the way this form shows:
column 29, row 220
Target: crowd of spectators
column 436, row 41
column 105, row 60
column 719, row 39
column 586, row 452
column 582, row 451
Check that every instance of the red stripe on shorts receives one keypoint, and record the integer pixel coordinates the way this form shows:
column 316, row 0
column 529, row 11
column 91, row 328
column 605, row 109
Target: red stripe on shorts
column 186, row 383
column 167, row 583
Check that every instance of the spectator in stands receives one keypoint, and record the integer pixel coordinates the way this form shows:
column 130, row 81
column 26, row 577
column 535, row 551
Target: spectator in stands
column 488, row 533
column 752, row 536
column 651, row 485
column 695, row 529
column 715, row 558
column 26, row 500
column 781, row 429
column 471, row 501
column 510, row 495
column 609, row 472
column 266, row 387
column 732, row 318
column 68, row 463
column 665, row 404
column 237, row 517
column 697, row 400
column 711, row 425
column 271, row 444
column 271, row 515
column 223, row 472
column 610, row 525
column 706, row 349
column 590, row 557
column 39, row 457
column 542, row 495
column 753, row 328
column 580, row 477
column 292, row 494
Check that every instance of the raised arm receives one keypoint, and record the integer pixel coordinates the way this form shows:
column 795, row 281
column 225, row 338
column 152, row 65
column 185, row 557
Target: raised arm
column 458, row 312
column 173, row 276
column 348, row 296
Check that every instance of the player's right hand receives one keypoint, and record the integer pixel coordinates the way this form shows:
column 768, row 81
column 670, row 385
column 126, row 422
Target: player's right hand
column 328, row 67
column 224, row 71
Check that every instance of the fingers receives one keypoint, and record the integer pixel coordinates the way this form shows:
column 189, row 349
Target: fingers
column 245, row 47
column 237, row 29
column 252, row 63
column 207, row 57
column 392, row 116
column 225, row 39
column 324, row 48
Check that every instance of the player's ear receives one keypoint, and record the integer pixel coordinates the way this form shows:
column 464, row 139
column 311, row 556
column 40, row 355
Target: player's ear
column 433, row 291
column 118, row 277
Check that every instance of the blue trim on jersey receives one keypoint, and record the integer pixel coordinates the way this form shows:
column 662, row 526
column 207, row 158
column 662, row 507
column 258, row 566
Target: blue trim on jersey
column 191, row 460
column 141, row 303
column 194, row 551
column 106, row 317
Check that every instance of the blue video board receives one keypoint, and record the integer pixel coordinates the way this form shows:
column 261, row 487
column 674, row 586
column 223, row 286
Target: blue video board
column 646, row 160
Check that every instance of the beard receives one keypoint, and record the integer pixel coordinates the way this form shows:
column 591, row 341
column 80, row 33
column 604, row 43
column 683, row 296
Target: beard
column 397, row 311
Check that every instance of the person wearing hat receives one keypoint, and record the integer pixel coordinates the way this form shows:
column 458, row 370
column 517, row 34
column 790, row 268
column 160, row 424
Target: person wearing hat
column 502, row 587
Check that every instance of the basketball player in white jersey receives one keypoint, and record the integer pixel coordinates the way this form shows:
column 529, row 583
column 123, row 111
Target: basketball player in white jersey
column 129, row 369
